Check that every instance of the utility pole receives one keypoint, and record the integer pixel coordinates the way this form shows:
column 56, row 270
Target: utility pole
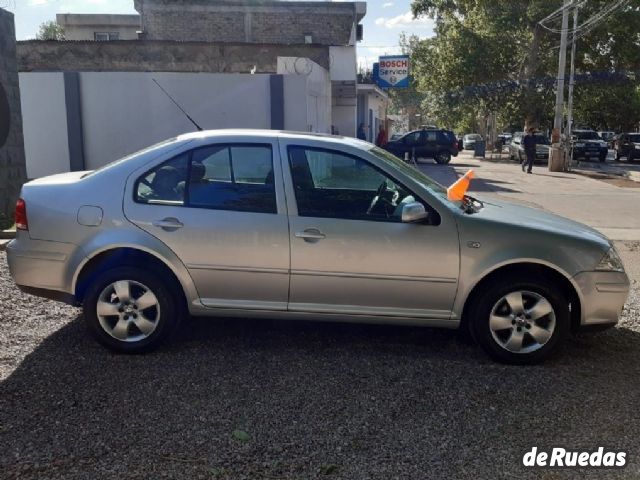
column 569, row 127
column 556, row 153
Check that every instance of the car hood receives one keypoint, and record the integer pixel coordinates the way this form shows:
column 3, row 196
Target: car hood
column 528, row 218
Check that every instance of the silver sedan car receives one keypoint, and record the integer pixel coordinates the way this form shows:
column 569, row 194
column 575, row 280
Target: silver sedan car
column 289, row 225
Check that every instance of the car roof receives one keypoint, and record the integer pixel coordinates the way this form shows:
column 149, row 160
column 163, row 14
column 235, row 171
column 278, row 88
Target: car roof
column 264, row 133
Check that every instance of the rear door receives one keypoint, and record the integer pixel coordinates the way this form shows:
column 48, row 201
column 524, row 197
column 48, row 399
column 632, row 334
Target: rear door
column 430, row 144
column 221, row 209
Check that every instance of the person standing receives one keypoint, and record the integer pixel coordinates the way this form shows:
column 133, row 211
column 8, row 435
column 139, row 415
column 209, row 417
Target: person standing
column 362, row 135
column 381, row 140
column 529, row 142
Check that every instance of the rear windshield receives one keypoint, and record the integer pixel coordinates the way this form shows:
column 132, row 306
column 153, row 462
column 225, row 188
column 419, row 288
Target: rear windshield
column 586, row 135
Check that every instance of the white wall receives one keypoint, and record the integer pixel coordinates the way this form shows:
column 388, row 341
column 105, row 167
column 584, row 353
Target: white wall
column 343, row 63
column 44, row 120
column 123, row 112
column 318, row 92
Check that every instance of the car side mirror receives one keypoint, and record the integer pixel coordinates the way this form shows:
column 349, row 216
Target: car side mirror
column 413, row 212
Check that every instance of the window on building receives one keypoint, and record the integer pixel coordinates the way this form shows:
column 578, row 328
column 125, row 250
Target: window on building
column 106, row 36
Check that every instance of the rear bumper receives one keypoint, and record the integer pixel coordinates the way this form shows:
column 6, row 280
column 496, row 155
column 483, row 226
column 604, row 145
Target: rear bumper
column 603, row 297
column 39, row 266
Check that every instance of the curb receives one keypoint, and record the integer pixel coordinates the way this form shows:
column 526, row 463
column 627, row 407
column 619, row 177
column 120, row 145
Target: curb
column 7, row 234
column 3, row 244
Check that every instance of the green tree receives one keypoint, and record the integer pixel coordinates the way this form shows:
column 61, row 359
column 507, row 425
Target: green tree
column 50, row 31
column 493, row 56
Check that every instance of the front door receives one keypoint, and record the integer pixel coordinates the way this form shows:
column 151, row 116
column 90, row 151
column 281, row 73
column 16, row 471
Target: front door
column 351, row 254
column 221, row 209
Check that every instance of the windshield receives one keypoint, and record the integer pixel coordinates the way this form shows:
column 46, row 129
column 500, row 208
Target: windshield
column 426, row 182
column 541, row 140
column 635, row 138
column 586, row 135
column 472, row 136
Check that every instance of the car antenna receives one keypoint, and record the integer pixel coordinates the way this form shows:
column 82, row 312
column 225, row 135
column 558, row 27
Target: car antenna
column 177, row 105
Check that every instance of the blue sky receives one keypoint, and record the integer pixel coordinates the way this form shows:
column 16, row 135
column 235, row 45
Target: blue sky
column 384, row 22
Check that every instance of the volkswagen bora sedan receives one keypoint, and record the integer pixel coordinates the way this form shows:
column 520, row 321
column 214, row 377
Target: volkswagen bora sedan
column 288, row 225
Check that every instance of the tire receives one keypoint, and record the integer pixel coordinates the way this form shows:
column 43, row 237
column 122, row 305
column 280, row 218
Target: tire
column 443, row 157
column 508, row 339
column 603, row 159
column 125, row 326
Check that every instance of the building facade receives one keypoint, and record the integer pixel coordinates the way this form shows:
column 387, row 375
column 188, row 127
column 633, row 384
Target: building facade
column 99, row 27
column 101, row 97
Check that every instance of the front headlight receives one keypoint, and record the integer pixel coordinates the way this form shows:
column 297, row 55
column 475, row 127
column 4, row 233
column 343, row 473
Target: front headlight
column 638, row 147
column 579, row 145
column 611, row 262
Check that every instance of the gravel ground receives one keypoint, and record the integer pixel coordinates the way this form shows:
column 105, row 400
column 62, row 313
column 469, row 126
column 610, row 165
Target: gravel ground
column 252, row 399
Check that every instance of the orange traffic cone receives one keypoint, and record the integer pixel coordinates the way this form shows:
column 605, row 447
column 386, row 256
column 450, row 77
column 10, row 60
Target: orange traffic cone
column 459, row 188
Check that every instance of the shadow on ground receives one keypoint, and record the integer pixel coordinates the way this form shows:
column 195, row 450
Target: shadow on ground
column 447, row 174
column 314, row 400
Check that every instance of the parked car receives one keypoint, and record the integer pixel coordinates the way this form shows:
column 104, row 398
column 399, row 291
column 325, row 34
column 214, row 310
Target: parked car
column 607, row 136
column 516, row 148
column 469, row 141
column 440, row 145
column 628, row 145
column 589, row 146
column 300, row 226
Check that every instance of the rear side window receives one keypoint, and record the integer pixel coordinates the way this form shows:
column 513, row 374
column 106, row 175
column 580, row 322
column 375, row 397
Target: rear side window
column 220, row 177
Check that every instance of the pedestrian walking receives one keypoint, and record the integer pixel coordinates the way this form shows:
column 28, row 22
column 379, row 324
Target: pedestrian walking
column 529, row 142
column 381, row 139
column 362, row 135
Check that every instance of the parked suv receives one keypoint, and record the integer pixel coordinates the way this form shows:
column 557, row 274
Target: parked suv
column 628, row 145
column 440, row 145
column 587, row 144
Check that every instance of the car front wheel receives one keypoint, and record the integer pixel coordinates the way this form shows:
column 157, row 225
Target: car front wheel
column 520, row 322
column 130, row 310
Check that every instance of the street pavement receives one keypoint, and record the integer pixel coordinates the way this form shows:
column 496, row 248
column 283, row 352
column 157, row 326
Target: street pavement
column 608, row 203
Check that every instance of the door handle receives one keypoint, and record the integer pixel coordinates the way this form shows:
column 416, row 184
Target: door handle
column 310, row 235
column 168, row 224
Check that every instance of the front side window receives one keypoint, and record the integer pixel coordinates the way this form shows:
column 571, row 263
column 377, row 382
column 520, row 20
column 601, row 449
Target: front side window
column 332, row 184
column 219, row 177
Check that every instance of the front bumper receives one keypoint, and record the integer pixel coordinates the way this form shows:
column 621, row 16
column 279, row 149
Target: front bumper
column 603, row 296
column 590, row 152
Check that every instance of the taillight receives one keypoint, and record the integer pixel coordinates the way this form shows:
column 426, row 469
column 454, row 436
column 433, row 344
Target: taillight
column 21, row 215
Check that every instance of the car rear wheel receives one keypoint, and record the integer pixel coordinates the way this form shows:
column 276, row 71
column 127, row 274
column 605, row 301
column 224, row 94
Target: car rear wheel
column 520, row 322
column 130, row 310
column 443, row 157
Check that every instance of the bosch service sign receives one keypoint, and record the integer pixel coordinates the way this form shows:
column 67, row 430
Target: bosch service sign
column 393, row 71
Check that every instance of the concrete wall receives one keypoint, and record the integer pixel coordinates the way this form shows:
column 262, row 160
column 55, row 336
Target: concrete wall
column 121, row 112
column 159, row 56
column 84, row 26
column 45, row 123
column 12, row 166
column 124, row 112
column 257, row 21
column 317, row 91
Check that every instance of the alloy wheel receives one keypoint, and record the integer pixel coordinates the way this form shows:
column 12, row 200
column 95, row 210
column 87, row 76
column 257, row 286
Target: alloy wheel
column 522, row 321
column 128, row 310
